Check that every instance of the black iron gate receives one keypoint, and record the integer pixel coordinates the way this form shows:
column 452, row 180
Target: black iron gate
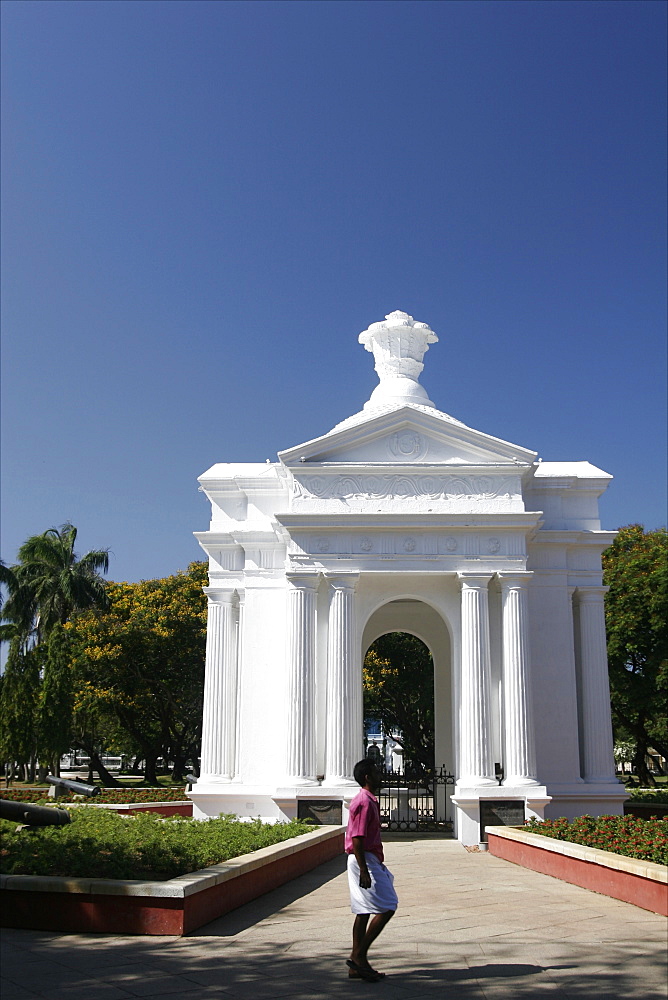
column 416, row 801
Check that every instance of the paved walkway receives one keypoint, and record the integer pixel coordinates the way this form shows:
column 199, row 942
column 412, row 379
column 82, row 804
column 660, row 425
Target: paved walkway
column 469, row 927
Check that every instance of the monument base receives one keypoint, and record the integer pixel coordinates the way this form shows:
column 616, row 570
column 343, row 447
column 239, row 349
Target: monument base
column 487, row 805
column 322, row 803
column 605, row 798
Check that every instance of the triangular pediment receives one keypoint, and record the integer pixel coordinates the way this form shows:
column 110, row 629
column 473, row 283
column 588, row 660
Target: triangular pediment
column 408, row 435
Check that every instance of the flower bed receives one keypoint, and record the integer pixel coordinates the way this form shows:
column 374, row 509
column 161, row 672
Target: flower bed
column 107, row 795
column 630, row 836
column 643, row 883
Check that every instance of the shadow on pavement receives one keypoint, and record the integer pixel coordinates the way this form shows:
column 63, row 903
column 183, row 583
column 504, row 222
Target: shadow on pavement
column 90, row 966
column 272, row 902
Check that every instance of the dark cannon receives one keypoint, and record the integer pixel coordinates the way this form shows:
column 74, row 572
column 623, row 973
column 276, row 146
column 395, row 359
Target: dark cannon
column 31, row 815
column 63, row 785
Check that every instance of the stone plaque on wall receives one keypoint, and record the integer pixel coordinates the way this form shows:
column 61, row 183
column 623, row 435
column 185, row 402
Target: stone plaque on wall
column 323, row 812
column 500, row 812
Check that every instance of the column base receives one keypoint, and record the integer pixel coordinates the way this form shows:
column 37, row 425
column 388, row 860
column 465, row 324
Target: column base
column 514, row 781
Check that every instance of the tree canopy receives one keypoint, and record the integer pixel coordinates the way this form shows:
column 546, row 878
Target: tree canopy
column 399, row 692
column 49, row 583
column 140, row 667
column 99, row 666
column 636, row 611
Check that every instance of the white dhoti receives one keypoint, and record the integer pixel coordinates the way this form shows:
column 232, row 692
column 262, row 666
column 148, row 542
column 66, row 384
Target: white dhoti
column 381, row 897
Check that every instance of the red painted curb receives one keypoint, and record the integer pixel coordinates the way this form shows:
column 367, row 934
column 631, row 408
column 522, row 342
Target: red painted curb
column 630, row 888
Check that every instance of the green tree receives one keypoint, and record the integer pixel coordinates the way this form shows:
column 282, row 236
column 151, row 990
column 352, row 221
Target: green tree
column 399, row 692
column 19, row 700
column 56, row 699
column 50, row 582
column 142, row 663
column 636, row 612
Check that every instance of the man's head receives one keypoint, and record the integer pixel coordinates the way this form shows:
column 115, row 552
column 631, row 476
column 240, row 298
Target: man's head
column 367, row 774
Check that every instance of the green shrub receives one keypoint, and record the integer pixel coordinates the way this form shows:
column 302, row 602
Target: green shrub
column 111, row 795
column 632, row 836
column 99, row 843
column 650, row 795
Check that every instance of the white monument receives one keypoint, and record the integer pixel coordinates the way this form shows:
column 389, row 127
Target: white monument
column 402, row 518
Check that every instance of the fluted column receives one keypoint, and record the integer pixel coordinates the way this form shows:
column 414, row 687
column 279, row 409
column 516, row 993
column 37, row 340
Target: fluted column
column 476, row 764
column 344, row 684
column 241, row 611
column 519, row 740
column 597, row 749
column 219, row 720
column 301, row 755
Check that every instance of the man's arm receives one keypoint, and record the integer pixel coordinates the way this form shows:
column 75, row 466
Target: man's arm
column 358, row 851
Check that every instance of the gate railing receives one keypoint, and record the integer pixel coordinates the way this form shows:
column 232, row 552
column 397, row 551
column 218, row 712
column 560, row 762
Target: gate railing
column 416, row 801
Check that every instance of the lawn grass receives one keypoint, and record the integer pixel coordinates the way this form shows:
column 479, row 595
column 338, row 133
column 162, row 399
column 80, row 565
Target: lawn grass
column 99, row 843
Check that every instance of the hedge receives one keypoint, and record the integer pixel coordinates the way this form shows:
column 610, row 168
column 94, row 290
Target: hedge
column 110, row 795
column 99, row 843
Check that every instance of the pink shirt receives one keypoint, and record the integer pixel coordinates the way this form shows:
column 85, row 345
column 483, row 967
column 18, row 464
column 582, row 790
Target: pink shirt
column 364, row 821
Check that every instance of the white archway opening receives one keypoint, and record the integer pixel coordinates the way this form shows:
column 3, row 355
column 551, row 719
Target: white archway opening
column 418, row 618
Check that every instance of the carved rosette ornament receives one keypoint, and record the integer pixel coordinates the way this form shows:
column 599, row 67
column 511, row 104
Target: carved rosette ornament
column 398, row 346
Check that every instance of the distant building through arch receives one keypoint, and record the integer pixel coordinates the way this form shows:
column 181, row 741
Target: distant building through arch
column 403, row 518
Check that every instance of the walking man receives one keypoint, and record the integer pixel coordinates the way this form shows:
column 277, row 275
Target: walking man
column 371, row 883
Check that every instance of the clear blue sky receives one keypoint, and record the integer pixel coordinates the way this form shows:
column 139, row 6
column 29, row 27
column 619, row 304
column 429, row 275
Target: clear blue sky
column 205, row 202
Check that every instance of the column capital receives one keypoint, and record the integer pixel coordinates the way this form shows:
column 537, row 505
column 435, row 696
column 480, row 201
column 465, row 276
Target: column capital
column 303, row 581
column 519, row 578
column 474, row 581
column 593, row 594
column 342, row 581
column 220, row 595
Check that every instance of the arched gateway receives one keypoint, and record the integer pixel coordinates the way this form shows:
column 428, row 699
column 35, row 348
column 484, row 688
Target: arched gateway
column 402, row 517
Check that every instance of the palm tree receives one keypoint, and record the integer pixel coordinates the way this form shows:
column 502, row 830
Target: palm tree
column 50, row 582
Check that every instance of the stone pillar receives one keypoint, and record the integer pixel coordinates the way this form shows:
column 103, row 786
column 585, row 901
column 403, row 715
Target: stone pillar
column 344, row 684
column 301, row 757
column 519, row 742
column 241, row 612
column 476, row 766
column 219, row 719
column 598, row 759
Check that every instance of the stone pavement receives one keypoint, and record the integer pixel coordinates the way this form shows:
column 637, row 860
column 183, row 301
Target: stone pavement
column 470, row 927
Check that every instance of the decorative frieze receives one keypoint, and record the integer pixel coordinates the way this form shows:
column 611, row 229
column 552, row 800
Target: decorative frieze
column 406, row 545
column 483, row 493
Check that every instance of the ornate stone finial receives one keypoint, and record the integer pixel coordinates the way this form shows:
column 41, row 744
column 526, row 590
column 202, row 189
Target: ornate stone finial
column 398, row 346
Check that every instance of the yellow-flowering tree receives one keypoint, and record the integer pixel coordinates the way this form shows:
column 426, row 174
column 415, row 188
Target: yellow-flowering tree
column 139, row 669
